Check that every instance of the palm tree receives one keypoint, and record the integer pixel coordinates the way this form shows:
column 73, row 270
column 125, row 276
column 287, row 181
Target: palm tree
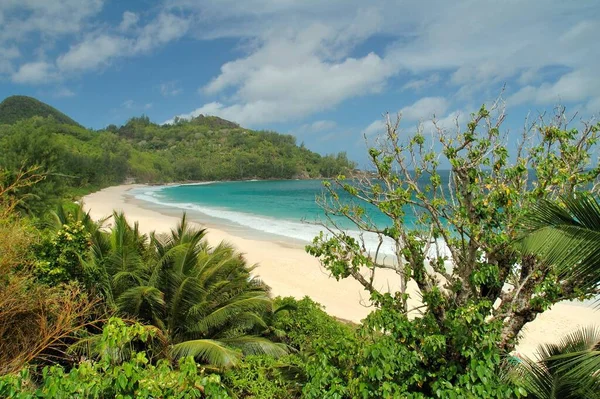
column 203, row 299
column 568, row 370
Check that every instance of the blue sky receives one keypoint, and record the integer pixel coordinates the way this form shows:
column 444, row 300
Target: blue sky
column 324, row 71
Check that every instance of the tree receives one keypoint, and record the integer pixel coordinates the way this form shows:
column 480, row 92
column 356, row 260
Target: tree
column 453, row 233
column 567, row 370
column 203, row 299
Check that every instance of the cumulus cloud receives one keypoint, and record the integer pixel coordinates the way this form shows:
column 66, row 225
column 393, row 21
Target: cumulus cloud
column 93, row 53
column 423, row 111
column 98, row 51
column 163, row 29
column 299, row 54
column 98, row 48
column 296, row 59
column 294, row 75
column 425, row 108
column 34, row 73
column 570, row 87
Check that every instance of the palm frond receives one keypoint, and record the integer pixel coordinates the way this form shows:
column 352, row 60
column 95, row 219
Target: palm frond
column 210, row 351
column 567, row 236
column 223, row 313
column 144, row 302
column 252, row 345
column 567, row 370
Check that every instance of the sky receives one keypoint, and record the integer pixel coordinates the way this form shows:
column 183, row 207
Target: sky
column 323, row 70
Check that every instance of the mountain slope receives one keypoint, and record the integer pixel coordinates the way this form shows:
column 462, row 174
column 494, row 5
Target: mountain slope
column 16, row 108
column 201, row 149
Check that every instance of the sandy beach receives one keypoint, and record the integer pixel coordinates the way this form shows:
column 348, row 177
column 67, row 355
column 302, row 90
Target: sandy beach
column 290, row 271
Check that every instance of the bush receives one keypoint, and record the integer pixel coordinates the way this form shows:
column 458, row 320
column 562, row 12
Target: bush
column 112, row 377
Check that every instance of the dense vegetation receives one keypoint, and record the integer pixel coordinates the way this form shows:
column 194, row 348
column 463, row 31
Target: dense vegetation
column 16, row 108
column 97, row 309
column 205, row 148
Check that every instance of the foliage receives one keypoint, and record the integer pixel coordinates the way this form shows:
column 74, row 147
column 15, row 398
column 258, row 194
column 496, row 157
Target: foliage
column 459, row 250
column 60, row 256
column 12, row 186
column 16, row 108
column 112, row 377
column 203, row 299
column 263, row 377
column 36, row 321
column 567, row 370
column 566, row 235
column 392, row 356
column 305, row 324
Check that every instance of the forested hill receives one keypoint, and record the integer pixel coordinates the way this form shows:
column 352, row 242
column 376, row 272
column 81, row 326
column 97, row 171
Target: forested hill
column 204, row 148
column 16, row 108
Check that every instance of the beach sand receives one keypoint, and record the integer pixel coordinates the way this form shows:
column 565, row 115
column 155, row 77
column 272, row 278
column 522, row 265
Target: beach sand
column 290, row 271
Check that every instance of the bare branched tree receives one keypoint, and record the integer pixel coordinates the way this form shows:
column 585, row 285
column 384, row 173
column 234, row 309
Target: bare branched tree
column 454, row 199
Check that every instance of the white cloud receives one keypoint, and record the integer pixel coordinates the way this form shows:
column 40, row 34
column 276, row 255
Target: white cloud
column 100, row 50
column 298, row 53
column 446, row 122
column 375, row 128
column 570, row 87
column 129, row 104
column 278, row 93
column 423, row 111
column 425, row 108
column 163, row 29
column 319, row 126
column 297, row 73
column 93, row 53
column 130, row 20
column 34, row 73
column 50, row 19
column 420, row 84
column 170, row 89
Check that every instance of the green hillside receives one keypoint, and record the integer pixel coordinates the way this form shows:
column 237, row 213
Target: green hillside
column 204, row 148
column 16, row 108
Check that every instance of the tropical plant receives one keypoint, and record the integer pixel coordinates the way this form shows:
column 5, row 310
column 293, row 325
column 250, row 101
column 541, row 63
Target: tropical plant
column 203, row 299
column 567, row 370
column 566, row 235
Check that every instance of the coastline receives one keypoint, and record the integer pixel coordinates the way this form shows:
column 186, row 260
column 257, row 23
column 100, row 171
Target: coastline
column 290, row 271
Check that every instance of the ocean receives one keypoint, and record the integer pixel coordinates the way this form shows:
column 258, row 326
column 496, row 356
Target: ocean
column 284, row 208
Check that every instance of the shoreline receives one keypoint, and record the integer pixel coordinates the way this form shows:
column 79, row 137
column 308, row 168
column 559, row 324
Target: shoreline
column 290, row 271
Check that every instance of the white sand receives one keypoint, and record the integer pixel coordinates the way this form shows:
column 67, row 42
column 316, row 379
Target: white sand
column 290, row 271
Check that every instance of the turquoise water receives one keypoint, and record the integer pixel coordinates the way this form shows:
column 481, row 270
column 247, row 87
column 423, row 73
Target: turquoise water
column 286, row 208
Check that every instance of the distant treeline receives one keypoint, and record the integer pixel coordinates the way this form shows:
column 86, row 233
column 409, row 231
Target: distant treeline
column 204, row 148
